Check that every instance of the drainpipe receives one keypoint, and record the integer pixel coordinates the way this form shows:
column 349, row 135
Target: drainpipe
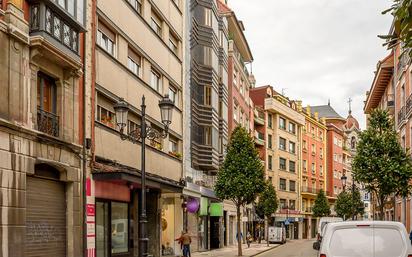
column 84, row 153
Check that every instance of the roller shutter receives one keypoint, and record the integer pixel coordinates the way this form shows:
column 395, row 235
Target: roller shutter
column 45, row 218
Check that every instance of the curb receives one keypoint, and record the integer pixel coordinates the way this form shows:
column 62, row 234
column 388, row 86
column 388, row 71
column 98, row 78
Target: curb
column 266, row 250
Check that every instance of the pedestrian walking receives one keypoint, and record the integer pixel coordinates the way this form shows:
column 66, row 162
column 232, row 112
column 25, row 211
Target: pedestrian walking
column 185, row 240
column 248, row 239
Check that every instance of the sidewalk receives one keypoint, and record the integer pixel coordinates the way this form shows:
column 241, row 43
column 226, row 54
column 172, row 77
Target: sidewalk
column 231, row 251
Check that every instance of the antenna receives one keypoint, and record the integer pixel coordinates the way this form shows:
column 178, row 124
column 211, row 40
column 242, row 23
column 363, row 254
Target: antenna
column 350, row 105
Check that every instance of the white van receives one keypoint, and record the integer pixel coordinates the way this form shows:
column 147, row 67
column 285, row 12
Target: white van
column 277, row 235
column 365, row 239
column 323, row 221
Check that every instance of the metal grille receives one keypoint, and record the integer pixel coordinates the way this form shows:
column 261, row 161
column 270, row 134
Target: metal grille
column 48, row 123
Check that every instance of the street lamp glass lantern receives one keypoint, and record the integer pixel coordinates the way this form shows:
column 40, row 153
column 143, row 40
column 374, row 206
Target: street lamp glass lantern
column 166, row 110
column 343, row 179
column 121, row 108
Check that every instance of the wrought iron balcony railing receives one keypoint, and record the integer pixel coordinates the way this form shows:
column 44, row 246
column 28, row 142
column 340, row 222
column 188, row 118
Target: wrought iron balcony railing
column 48, row 123
column 402, row 115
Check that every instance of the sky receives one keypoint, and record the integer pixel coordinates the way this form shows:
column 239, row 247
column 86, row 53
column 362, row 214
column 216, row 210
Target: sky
column 315, row 50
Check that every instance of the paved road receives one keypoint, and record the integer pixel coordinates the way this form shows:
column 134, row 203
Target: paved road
column 298, row 248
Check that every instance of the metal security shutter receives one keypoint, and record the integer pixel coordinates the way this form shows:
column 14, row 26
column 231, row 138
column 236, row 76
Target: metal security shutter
column 45, row 218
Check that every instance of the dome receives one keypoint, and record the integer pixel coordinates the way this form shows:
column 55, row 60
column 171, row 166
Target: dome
column 351, row 121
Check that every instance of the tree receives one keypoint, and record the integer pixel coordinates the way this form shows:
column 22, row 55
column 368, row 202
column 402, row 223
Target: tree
column 267, row 205
column 349, row 205
column 321, row 207
column 401, row 11
column 241, row 176
column 381, row 165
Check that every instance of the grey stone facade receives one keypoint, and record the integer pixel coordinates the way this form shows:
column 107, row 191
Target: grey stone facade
column 23, row 147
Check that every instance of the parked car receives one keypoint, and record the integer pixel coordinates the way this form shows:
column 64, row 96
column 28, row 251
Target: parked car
column 365, row 239
column 277, row 235
column 321, row 226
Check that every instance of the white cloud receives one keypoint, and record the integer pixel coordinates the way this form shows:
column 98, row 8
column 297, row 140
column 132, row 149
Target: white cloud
column 316, row 49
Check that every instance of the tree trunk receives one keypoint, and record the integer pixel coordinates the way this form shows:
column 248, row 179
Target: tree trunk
column 267, row 230
column 239, row 233
column 381, row 208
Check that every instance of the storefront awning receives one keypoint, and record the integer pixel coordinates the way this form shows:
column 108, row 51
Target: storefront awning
column 109, row 171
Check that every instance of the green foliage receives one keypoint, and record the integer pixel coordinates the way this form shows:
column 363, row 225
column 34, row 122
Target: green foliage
column 268, row 202
column 401, row 11
column 241, row 177
column 381, row 164
column 347, row 206
column 321, row 207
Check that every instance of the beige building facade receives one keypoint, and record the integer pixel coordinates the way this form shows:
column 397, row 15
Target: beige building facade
column 136, row 51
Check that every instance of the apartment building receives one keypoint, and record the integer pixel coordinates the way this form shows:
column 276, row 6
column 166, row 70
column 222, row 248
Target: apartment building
column 41, row 127
column 313, row 174
column 282, row 140
column 136, row 58
column 335, row 140
column 205, row 120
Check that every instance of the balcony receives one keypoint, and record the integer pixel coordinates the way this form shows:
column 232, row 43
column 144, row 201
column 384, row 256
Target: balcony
column 309, row 190
column 401, row 115
column 408, row 106
column 259, row 138
column 56, row 31
column 48, row 123
column 259, row 118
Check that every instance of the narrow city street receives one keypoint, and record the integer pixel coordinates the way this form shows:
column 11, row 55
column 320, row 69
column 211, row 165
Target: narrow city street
column 296, row 248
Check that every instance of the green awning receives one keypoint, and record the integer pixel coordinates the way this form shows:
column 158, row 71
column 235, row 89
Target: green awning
column 216, row 210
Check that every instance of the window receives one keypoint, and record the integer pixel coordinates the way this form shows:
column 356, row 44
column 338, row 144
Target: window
column 292, row 147
column 282, row 163
column 208, row 17
column 69, row 6
column 106, row 117
column 283, row 204
column 321, row 170
column 155, row 81
column 134, row 62
column 313, row 168
column 137, row 5
column 131, row 127
column 353, row 143
column 292, row 205
column 292, row 166
column 335, row 174
column 282, row 184
column 207, row 58
column 321, row 135
column 282, row 123
column 235, row 77
column 208, row 95
column 335, row 141
column 335, row 157
column 313, row 149
column 208, row 136
column 305, row 145
column 270, row 162
column 282, row 143
column 172, row 94
column 321, row 153
column 292, row 128
column 47, row 120
column 292, row 186
column 241, row 87
column 113, row 219
column 173, row 43
column 172, row 146
column 235, row 112
column 270, row 141
column 156, row 24
column 270, row 118
column 106, row 39
column 305, row 166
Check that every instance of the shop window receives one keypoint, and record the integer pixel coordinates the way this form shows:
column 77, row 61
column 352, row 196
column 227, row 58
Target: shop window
column 112, row 225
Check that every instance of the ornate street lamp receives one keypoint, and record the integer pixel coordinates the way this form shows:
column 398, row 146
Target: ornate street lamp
column 140, row 134
column 343, row 179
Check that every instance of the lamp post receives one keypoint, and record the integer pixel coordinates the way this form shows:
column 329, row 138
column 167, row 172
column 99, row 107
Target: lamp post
column 343, row 179
column 140, row 134
column 353, row 200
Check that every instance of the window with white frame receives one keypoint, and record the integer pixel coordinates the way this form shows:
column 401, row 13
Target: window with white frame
column 235, row 112
column 282, row 123
column 172, row 94
column 282, row 143
column 106, row 117
column 136, row 4
column 292, row 128
column 292, row 147
column 156, row 81
column 173, row 145
column 134, row 62
column 173, row 43
column 106, row 38
column 156, row 24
